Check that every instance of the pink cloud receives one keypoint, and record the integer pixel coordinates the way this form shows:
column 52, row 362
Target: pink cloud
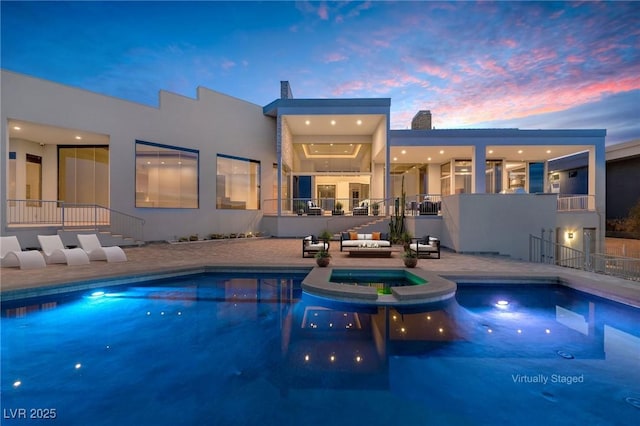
column 323, row 12
column 335, row 57
column 351, row 87
column 460, row 106
column 433, row 70
column 227, row 64
column 510, row 43
column 491, row 65
column 572, row 59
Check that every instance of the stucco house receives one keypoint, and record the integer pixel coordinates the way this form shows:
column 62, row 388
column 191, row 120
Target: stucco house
column 216, row 164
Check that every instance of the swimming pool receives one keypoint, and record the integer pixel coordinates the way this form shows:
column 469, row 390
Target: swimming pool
column 252, row 349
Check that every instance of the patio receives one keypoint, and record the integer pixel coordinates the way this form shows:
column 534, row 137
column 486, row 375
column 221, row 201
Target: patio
column 277, row 252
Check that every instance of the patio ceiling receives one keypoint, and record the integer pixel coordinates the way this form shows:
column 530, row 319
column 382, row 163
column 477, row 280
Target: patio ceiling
column 333, row 124
column 51, row 135
column 441, row 154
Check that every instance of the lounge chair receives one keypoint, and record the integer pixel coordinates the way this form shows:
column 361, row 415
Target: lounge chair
column 313, row 210
column 54, row 251
column 311, row 245
column 425, row 246
column 91, row 245
column 362, row 209
column 12, row 255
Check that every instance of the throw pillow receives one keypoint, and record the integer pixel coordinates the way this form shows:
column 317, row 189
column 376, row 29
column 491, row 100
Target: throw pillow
column 375, row 235
column 346, row 236
column 425, row 240
column 353, row 235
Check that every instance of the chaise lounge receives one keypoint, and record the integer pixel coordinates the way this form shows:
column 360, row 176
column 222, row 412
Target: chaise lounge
column 91, row 245
column 11, row 255
column 311, row 245
column 426, row 246
column 55, row 252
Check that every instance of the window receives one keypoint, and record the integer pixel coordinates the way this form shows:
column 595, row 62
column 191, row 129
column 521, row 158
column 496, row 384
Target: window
column 12, row 178
column 83, row 174
column 462, row 181
column 34, row 179
column 238, row 183
column 493, row 176
column 166, row 176
column 445, row 179
column 536, row 178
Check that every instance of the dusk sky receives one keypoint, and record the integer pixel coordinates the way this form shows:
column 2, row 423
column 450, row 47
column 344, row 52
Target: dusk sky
column 487, row 64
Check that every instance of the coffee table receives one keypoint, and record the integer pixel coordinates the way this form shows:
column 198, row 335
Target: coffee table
column 370, row 251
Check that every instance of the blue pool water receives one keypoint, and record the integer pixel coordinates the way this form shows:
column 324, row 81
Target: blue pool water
column 247, row 349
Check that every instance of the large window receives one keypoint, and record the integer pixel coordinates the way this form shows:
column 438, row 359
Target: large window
column 493, row 176
column 445, row 179
column 83, row 174
column 12, row 178
column 166, row 176
column 462, row 181
column 238, row 183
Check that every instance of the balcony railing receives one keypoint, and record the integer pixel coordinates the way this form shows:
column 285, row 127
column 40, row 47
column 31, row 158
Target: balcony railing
column 414, row 205
column 569, row 203
column 73, row 215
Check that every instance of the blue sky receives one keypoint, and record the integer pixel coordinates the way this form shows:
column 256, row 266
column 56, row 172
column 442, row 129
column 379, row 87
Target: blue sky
column 473, row 64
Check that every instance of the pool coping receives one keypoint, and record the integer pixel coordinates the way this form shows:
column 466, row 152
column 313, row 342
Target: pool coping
column 318, row 283
column 112, row 281
column 623, row 291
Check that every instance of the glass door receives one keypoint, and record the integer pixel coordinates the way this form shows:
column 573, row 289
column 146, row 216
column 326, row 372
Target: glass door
column 326, row 196
column 34, row 180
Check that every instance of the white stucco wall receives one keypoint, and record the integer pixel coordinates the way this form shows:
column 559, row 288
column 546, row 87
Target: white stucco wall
column 213, row 123
column 496, row 223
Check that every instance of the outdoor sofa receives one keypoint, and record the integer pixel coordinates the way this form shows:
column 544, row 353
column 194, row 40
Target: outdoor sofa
column 354, row 239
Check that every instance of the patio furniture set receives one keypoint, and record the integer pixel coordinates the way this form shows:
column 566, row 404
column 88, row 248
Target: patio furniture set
column 375, row 244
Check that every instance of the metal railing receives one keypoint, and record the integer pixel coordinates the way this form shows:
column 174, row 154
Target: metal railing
column 568, row 203
column 543, row 250
column 415, row 205
column 624, row 267
column 74, row 215
column 326, row 207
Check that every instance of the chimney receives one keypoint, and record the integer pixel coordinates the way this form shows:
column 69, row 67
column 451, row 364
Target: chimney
column 422, row 120
column 285, row 90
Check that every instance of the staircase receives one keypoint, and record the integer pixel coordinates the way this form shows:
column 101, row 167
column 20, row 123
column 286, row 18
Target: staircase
column 379, row 224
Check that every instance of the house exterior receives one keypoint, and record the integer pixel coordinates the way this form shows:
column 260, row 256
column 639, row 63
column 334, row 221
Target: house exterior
column 219, row 165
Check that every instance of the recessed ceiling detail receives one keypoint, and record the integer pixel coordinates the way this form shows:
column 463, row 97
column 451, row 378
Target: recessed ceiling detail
column 334, row 150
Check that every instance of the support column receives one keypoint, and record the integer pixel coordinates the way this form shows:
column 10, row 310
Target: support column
column 478, row 179
column 597, row 189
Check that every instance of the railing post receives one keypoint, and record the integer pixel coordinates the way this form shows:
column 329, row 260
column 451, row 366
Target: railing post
column 62, row 213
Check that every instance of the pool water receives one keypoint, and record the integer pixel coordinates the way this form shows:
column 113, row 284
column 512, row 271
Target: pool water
column 382, row 280
column 252, row 349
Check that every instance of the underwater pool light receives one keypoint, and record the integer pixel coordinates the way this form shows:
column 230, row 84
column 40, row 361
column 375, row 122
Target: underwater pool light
column 502, row 304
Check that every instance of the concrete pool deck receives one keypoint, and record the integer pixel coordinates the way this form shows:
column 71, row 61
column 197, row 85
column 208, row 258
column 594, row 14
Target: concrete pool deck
column 286, row 253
